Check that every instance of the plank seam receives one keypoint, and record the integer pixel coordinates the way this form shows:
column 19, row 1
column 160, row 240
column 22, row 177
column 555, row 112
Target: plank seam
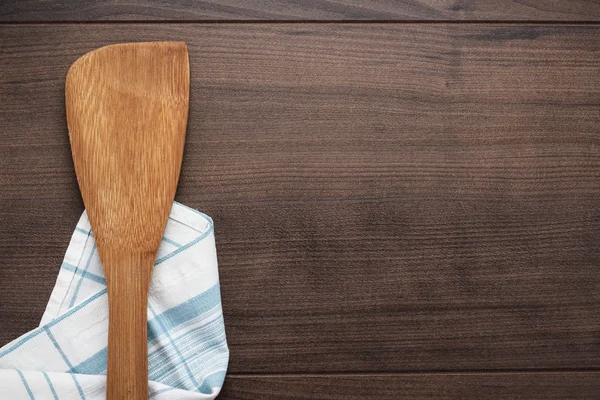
column 299, row 22
column 415, row 373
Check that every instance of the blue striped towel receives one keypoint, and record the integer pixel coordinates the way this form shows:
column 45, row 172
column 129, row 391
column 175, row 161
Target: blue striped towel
column 65, row 358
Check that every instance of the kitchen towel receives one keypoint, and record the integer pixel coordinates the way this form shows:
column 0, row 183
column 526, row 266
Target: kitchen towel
column 65, row 358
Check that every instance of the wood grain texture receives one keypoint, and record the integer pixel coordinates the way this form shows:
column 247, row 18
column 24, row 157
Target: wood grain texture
column 300, row 10
column 530, row 386
column 127, row 108
column 386, row 197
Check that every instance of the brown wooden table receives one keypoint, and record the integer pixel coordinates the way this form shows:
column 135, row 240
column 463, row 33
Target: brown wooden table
column 405, row 207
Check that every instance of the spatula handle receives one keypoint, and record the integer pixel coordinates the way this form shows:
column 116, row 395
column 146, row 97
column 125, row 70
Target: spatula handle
column 127, row 374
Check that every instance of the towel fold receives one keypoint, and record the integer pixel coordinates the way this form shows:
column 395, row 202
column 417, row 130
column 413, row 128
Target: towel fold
column 65, row 358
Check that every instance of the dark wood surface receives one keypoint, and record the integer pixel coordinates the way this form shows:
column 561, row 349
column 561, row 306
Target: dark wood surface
column 299, row 10
column 396, row 205
column 530, row 386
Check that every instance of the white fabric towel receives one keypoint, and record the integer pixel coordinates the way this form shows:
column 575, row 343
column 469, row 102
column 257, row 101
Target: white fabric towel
column 65, row 358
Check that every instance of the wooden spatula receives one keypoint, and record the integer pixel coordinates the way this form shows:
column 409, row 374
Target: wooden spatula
column 127, row 107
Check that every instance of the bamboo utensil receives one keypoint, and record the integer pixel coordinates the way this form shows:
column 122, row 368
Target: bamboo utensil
column 127, row 107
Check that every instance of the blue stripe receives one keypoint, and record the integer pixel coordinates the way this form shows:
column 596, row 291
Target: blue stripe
column 64, row 356
column 50, row 385
column 183, row 248
column 200, row 340
column 95, row 365
column 213, row 328
column 211, row 343
column 209, row 327
column 20, row 342
column 26, row 385
column 214, row 380
column 159, row 318
column 89, row 233
column 87, row 265
column 70, row 312
column 78, row 307
column 174, row 243
column 216, row 347
column 85, row 274
column 55, row 343
column 78, row 387
column 184, row 312
column 160, row 391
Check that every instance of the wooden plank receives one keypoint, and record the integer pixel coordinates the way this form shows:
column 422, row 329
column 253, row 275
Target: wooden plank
column 386, row 197
column 299, row 10
column 530, row 386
